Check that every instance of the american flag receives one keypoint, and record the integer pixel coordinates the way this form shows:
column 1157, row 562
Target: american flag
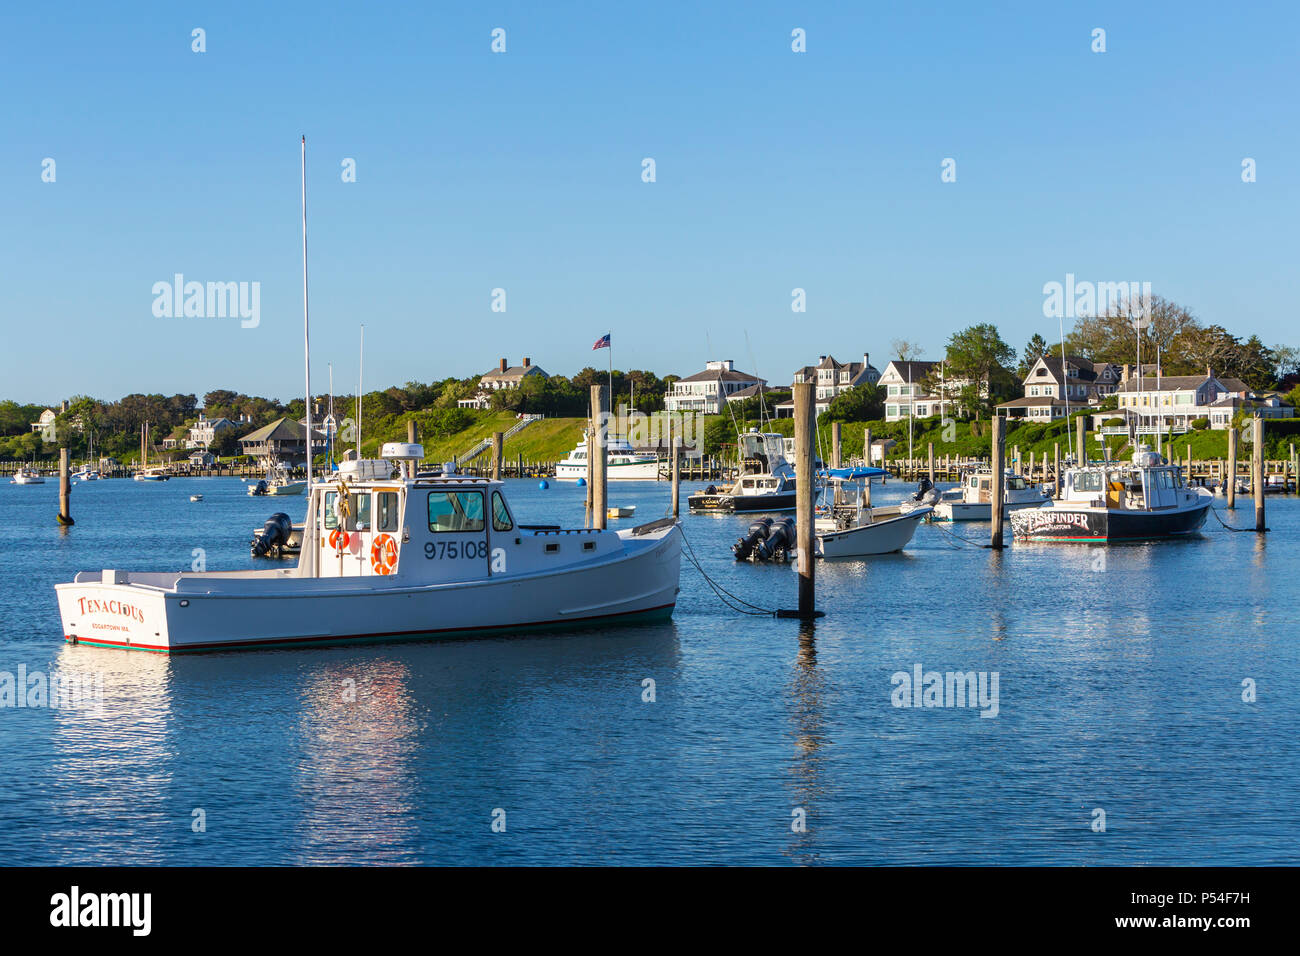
column 602, row 342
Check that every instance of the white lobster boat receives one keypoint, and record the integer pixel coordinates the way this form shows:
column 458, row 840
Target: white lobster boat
column 388, row 558
column 27, row 476
column 971, row 500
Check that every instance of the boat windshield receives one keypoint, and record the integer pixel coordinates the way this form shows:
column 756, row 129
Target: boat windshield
column 455, row 511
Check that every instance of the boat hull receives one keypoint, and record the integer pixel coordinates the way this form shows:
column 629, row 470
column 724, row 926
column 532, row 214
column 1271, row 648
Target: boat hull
column 1068, row 524
column 614, row 471
column 976, row 511
column 742, row 504
column 879, row 537
column 273, row 609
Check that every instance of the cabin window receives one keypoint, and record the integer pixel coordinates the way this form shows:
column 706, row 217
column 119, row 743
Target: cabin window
column 451, row 511
column 1016, row 483
column 331, row 519
column 386, row 511
column 500, row 513
column 1088, row 481
column 360, row 520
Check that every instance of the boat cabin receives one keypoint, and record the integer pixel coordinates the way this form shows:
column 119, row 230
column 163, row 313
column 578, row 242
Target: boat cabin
column 379, row 520
column 1147, row 484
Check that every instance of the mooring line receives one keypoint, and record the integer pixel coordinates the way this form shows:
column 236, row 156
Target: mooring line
column 1227, row 527
column 718, row 589
column 953, row 534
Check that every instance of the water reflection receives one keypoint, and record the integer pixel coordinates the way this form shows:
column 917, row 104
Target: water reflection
column 112, row 764
column 806, row 694
column 355, row 783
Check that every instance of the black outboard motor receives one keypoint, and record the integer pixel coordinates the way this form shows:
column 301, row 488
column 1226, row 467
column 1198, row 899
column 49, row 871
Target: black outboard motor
column 778, row 544
column 260, row 487
column 922, row 489
column 274, row 536
column 711, row 490
column 758, row 530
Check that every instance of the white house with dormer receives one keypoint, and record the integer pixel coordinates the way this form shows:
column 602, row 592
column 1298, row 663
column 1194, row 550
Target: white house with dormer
column 1169, row 404
column 709, row 391
column 1055, row 388
column 831, row 378
column 503, row 376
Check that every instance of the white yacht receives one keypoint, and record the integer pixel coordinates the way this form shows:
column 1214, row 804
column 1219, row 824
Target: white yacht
column 1118, row 501
column 390, row 558
column 623, row 463
column 27, row 476
column 971, row 500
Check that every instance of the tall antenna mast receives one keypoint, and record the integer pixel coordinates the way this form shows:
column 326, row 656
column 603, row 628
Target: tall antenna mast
column 361, row 368
column 306, row 328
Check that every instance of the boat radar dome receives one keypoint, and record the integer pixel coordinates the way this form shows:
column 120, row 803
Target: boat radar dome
column 401, row 451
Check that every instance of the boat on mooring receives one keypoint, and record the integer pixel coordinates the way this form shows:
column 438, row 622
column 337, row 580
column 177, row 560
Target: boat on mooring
column 972, row 499
column 146, row 473
column 1118, row 501
column 278, row 481
column 389, row 558
column 766, row 483
column 27, row 476
column 622, row 462
column 846, row 526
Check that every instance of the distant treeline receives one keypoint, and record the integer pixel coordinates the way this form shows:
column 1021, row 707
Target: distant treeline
column 977, row 355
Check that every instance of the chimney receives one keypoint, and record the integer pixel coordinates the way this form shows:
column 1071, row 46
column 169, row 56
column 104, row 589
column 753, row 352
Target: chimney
column 1124, row 371
column 527, row 361
column 1208, row 373
column 503, row 365
column 866, row 359
column 821, row 358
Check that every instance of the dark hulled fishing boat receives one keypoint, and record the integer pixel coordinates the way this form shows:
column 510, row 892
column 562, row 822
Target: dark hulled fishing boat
column 1118, row 501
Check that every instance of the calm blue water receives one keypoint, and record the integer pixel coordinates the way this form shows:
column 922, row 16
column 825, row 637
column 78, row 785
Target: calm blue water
column 1120, row 688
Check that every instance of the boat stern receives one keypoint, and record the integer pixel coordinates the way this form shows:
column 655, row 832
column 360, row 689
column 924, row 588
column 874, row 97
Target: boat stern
column 109, row 609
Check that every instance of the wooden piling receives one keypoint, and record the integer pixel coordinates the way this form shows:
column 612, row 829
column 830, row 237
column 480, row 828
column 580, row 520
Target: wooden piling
column 930, row 455
column 596, row 455
column 498, row 442
column 1231, row 478
column 804, row 430
column 65, row 487
column 999, row 480
column 1257, row 471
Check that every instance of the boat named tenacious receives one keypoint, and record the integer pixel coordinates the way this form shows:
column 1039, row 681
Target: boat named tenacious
column 1118, row 501
column 389, row 557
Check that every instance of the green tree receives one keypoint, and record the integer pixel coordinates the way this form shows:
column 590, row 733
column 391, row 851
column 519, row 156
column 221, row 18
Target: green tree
column 977, row 353
column 1035, row 349
column 863, row 403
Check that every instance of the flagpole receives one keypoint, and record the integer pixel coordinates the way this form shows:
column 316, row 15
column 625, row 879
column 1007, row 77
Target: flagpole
column 611, row 368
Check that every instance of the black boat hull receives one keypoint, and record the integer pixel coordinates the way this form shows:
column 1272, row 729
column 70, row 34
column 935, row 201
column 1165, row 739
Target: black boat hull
column 1068, row 524
column 742, row 504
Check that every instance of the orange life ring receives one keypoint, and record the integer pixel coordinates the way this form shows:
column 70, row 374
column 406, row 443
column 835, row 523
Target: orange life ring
column 383, row 554
column 339, row 539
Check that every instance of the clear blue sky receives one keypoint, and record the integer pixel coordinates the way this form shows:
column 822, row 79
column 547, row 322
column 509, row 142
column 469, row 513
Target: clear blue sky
column 476, row 170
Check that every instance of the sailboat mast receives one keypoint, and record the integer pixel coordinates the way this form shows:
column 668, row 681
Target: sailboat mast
column 306, row 328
